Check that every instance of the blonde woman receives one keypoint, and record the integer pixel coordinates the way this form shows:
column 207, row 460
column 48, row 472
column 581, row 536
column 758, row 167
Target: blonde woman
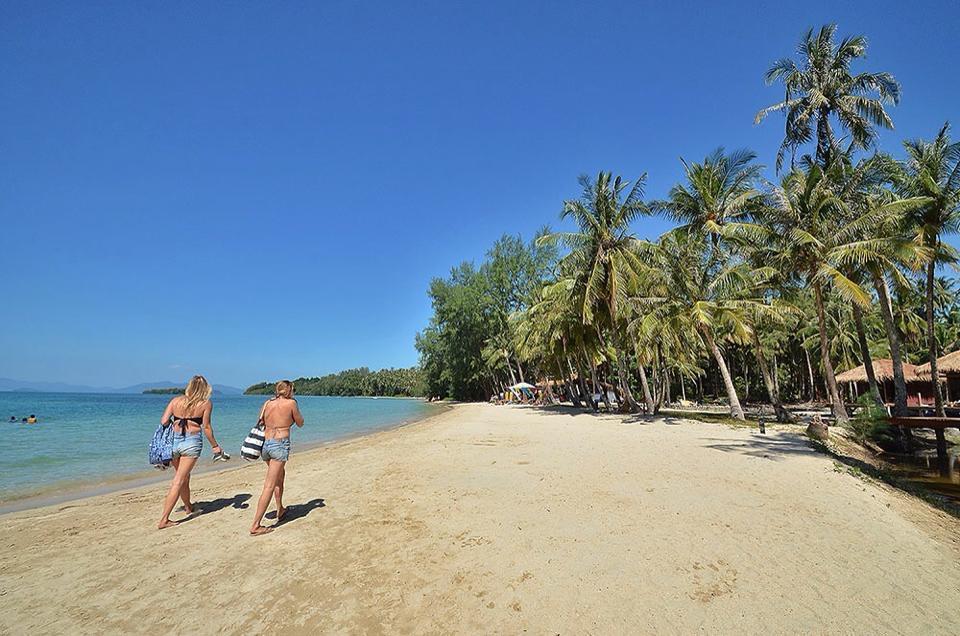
column 189, row 414
column 279, row 415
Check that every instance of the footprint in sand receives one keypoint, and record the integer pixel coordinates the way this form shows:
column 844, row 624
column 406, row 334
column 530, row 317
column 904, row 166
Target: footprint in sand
column 712, row 580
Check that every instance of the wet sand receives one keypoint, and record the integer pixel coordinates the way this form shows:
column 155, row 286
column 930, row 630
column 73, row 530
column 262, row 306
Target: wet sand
column 498, row 520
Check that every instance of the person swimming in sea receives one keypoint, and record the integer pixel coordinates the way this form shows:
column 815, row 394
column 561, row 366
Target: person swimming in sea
column 31, row 420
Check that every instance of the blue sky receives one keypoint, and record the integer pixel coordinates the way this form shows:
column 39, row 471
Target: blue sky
column 256, row 190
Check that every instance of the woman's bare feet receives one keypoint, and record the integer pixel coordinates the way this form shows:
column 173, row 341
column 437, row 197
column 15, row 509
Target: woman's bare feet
column 258, row 530
column 281, row 513
column 166, row 523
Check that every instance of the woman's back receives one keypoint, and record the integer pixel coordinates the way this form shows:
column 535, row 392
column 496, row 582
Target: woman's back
column 279, row 414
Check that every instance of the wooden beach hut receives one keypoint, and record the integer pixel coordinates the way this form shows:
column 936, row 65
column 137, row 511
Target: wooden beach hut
column 919, row 392
column 948, row 367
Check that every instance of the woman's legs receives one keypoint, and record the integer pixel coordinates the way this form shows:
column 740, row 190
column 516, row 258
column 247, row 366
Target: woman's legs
column 184, row 490
column 278, row 491
column 182, row 466
column 270, row 482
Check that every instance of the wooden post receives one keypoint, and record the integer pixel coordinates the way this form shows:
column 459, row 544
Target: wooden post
column 943, row 460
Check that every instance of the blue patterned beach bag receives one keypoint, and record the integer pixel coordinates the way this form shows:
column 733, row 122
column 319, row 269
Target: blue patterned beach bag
column 161, row 447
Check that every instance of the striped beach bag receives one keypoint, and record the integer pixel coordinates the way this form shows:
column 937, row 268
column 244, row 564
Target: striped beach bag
column 253, row 443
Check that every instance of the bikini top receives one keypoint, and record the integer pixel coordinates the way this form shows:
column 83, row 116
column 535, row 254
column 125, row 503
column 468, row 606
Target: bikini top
column 182, row 421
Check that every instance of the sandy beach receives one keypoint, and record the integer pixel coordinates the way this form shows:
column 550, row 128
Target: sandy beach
column 502, row 520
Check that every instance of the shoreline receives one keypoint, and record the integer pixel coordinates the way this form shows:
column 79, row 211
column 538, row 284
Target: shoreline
column 502, row 519
column 57, row 495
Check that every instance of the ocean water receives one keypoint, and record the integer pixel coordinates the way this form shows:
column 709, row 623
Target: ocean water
column 84, row 439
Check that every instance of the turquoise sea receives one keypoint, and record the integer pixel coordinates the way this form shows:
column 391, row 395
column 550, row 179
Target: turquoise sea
column 85, row 439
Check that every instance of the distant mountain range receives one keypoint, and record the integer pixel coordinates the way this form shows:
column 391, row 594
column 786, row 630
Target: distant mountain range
column 23, row 386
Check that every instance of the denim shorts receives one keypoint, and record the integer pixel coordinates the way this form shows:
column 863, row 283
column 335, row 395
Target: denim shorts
column 187, row 445
column 276, row 449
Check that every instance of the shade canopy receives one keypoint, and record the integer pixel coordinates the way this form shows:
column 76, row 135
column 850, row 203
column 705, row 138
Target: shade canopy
column 523, row 385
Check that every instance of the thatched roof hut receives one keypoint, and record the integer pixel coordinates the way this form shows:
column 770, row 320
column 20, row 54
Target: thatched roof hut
column 949, row 363
column 882, row 369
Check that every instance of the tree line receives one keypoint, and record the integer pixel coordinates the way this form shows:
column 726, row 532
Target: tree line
column 355, row 382
column 763, row 286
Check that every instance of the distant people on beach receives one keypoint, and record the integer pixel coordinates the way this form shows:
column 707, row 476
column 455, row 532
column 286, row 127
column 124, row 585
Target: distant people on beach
column 278, row 416
column 189, row 414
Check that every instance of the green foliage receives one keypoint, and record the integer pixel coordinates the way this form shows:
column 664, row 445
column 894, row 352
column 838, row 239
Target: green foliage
column 761, row 287
column 173, row 390
column 468, row 347
column 356, row 382
column 870, row 422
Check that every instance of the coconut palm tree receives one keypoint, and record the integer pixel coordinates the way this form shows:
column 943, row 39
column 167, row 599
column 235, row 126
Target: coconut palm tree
column 818, row 239
column 932, row 170
column 602, row 257
column 718, row 191
column 701, row 290
column 822, row 87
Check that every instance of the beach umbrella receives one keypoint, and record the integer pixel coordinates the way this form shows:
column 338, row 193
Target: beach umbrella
column 523, row 385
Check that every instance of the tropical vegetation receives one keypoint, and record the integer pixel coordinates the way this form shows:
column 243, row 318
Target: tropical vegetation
column 355, row 382
column 761, row 291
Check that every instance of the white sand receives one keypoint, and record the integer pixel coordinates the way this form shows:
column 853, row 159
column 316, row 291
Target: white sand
column 499, row 520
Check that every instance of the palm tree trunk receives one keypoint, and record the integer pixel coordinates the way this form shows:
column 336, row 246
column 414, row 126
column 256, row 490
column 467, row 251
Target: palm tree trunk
column 806, row 354
column 893, row 337
column 932, row 343
column 735, row 411
column 839, row 411
column 567, row 383
column 644, row 385
column 582, row 382
column 513, row 378
column 629, row 404
column 783, row 415
column 824, row 136
column 865, row 354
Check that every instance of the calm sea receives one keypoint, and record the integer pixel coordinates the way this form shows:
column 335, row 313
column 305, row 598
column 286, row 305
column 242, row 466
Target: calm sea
column 82, row 439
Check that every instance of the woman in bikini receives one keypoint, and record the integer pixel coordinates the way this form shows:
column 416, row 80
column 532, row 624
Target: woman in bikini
column 278, row 415
column 189, row 414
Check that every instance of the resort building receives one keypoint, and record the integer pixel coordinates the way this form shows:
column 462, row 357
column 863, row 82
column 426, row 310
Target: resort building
column 919, row 391
column 948, row 367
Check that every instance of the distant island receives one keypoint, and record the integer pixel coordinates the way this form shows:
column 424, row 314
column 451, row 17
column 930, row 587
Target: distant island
column 356, row 382
column 173, row 390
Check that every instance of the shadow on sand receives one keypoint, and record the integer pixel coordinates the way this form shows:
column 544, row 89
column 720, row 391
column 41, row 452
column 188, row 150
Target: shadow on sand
column 628, row 418
column 297, row 511
column 238, row 501
column 774, row 447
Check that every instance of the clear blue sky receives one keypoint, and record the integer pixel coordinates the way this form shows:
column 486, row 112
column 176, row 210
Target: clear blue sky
column 255, row 190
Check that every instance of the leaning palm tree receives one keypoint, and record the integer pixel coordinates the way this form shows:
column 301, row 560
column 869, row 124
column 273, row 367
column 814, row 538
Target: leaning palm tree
column 704, row 291
column 932, row 170
column 819, row 239
column 822, row 86
column 602, row 256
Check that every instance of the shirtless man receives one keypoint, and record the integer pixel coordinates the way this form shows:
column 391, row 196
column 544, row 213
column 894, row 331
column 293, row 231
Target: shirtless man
column 279, row 414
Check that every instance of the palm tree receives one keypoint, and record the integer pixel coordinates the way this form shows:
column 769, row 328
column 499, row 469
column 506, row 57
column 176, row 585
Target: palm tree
column 932, row 170
column 602, row 258
column 822, row 86
column 719, row 191
column 695, row 288
column 819, row 239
